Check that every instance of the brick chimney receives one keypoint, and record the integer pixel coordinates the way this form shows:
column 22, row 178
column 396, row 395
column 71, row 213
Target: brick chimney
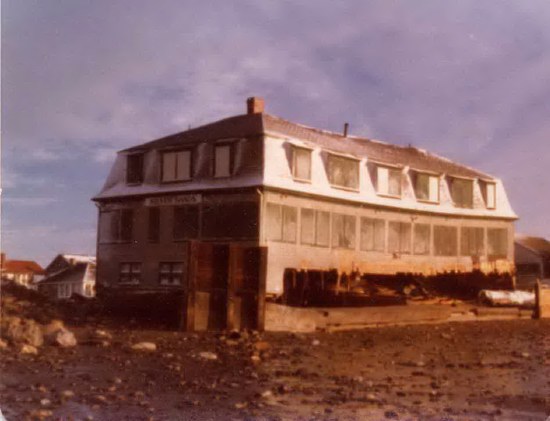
column 255, row 105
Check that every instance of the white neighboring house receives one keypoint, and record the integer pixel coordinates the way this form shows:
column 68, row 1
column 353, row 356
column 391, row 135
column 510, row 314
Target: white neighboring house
column 532, row 256
column 69, row 274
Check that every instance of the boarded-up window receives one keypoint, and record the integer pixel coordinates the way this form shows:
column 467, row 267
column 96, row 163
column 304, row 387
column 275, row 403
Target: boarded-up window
column 186, row 222
column 472, row 241
column 281, row 224
column 488, row 190
column 176, row 166
column 388, row 181
column 134, row 168
column 153, row 229
column 399, row 237
column 445, row 240
column 171, row 273
column 307, row 226
column 421, row 239
column 426, row 187
column 301, row 163
column 373, row 234
column 223, row 160
column 497, row 242
column 230, row 220
column 116, row 226
column 130, row 273
column 343, row 231
column 462, row 192
column 343, row 172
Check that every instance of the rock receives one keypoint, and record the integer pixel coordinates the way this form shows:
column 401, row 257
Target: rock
column 67, row 394
column 316, row 342
column 241, row 405
column 144, row 347
column 22, row 331
column 28, row 349
column 3, row 344
column 53, row 327
column 102, row 334
column 255, row 358
column 62, row 337
column 391, row 415
column 45, row 402
column 207, row 355
column 525, row 355
column 267, row 394
column 262, row 346
column 40, row 414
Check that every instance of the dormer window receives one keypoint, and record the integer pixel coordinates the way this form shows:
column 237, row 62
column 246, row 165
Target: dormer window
column 301, row 164
column 343, row 172
column 426, row 187
column 488, row 190
column 462, row 192
column 176, row 166
column 388, row 181
column 223, row 160
column 134, row 168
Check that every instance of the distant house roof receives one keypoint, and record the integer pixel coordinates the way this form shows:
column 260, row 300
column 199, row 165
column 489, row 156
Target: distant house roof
column 58, row 276
column 63, row 261
column 22, row 266
column 261, row 123
column 538, row 245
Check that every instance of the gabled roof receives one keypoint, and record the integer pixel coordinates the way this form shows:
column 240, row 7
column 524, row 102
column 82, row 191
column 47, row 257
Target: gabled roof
column 538, row 245
column 248, row 125
column 22, row 266
column 58, row 276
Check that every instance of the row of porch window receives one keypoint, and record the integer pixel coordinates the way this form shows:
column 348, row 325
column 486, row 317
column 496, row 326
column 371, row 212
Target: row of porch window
column 343, row 172
column 326, row 229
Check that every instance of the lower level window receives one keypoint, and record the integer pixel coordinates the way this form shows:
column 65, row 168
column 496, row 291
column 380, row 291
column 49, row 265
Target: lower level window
column 130, row 273
column 171, row 273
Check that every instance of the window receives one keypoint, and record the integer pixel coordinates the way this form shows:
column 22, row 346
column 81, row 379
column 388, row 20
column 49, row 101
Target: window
column 64, row 290
column 153, row 232
column 343, row 231
column 186, row 222
column 497, row 242
column 171, row 273
column 426, row 187
column 399, row 237
column 130, row 273
column 472, row 241
column 462, row 192
column 281, row 223
column 223, row 160
column 388, row 181
column 445, row 240
column 488, row 190
column 343, row 172
column 421, row 239
column 176, row 166
column 230, row 220
column 134, row 168
column 373, row 234
column 116, row 226
column 301, row 164
column 315, row 227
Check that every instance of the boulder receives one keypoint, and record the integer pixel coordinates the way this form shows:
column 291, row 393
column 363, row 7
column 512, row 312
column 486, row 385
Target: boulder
column 28, row 349
column 22, row 331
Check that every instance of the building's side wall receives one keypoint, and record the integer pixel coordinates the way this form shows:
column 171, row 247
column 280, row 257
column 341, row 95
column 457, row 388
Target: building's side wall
column 167, row 249
column 294, row 254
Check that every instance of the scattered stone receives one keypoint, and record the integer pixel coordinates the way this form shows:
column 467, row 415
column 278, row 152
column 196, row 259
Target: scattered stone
column 22, row 331
column 67, row 394
column 392, row 415
column 255, row 358
column 62, row 337
column 241, row 405
column 3, row 344
column 207, row 355
column 525, row 355
column 262, row 346
column 316, row 342
column 267, row 394
column 53, row 327
column 45, row 402
column 28, row 349
column 144, row 347
column 40, row 414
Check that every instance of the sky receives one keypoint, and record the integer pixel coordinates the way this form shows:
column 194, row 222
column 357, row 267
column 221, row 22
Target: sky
column 81, row 79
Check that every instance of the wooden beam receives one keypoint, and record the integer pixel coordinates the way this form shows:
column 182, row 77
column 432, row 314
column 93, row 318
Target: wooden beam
column 262, row 276
column 187, row 310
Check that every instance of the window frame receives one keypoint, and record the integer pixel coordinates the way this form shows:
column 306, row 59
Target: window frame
column 402, row 225
column 175, row 152
column 231, row 146
column 281, row 210
column 485, row 193
column 346, row 218
column 171, row 274
column 334, row 156
column 389, row 168
column 451, row 181
column 309, row 151
column 118, row 238
column 429, row 176
column 373, row 221
column 316, row 242
column 132, row 266
column 140, row 179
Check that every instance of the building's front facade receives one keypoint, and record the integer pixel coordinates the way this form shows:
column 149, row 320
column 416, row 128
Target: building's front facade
column 315, row 199
column 69, row 274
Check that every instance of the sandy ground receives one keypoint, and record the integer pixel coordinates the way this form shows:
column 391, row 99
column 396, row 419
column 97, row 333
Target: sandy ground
column 453, row 371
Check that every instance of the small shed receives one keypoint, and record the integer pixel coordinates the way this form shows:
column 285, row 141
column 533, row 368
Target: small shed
column 69, row 274
column 532, row 258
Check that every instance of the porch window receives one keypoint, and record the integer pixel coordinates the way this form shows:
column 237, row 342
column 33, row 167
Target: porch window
column 301, row 164
column 343, row 231
column 171, row 273
column 399, row 237
column 134, row 168
column 223, row 160
column 373, row 234
column 130, row 273
column 176, row 166
column 497, row 242
column 343, row 172
column 445, row 240
column 281, row 223
column 472, row 241
column 388, row 181
column 315, row 227
column 421, row 239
